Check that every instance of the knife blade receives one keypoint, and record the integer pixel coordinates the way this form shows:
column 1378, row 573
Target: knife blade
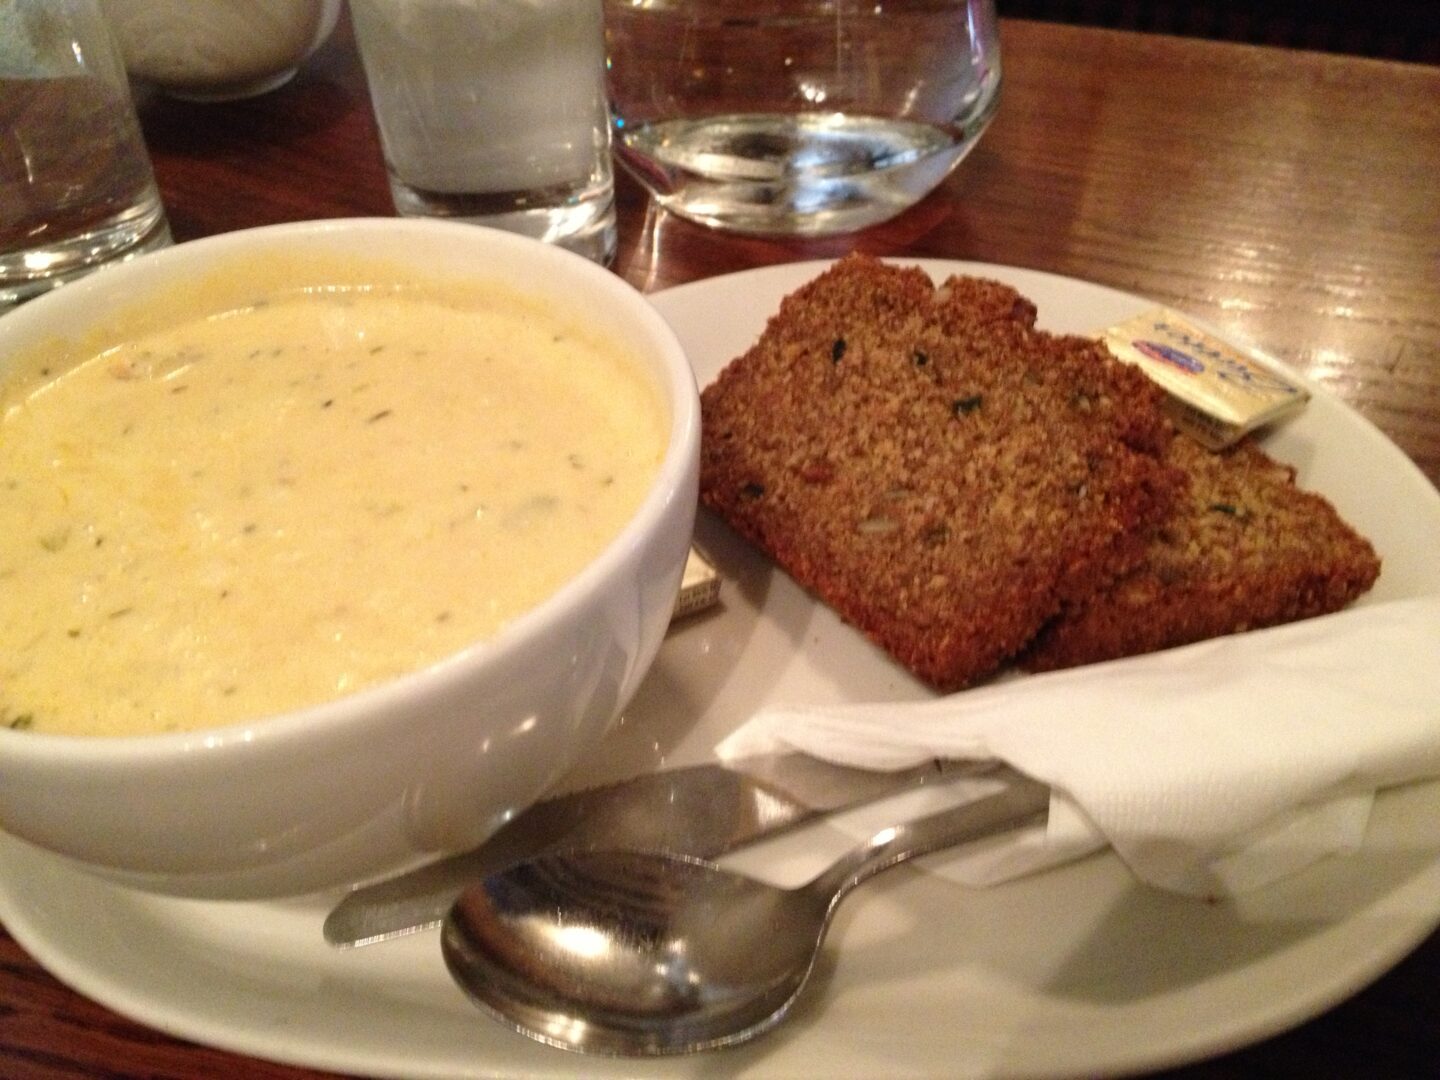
column 701, row 810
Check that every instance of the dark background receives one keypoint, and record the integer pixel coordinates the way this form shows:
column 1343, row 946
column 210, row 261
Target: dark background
column 1388, row 29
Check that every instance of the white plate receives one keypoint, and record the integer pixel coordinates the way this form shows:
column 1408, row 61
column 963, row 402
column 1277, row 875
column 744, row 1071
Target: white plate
column 1078, row 971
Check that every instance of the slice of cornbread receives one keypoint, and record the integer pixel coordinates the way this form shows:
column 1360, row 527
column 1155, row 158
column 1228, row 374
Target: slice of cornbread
column 938, row 471
column 1243, row 548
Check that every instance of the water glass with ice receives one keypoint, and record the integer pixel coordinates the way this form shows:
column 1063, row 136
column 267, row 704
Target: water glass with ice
column 493, row 112
column 798, row 117
column 76, row 188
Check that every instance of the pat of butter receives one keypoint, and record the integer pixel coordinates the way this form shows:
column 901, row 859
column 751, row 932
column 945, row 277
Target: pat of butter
column 699, row 587
column 1219, row 391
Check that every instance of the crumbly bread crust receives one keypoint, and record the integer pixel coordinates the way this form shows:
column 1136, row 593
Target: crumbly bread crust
column 942, row 474
column 1244, row 548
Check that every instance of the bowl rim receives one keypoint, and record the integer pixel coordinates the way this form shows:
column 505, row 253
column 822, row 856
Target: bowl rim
column 674, row 378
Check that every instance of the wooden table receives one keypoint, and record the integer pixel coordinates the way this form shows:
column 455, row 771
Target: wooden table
column 1289, row 198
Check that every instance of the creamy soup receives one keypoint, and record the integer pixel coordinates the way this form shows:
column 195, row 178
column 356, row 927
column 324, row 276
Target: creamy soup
column 266, row 508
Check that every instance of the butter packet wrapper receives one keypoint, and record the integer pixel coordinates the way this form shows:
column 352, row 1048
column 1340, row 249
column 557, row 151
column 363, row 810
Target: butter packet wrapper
column 1219, row 392
column 699, row 587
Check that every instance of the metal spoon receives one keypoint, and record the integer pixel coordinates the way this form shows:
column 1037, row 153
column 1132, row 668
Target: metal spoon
column 641, row 953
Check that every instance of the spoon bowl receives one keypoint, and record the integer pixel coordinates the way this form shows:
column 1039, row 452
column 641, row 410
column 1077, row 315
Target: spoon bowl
column 630, row 953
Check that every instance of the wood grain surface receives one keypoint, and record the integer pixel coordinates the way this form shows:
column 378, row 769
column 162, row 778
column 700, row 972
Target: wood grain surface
column 1290, row 198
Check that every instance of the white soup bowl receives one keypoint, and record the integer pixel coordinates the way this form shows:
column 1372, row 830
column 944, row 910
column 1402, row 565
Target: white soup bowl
column 432, row 761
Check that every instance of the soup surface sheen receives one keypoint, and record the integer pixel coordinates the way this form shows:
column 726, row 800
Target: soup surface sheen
column 266, row 508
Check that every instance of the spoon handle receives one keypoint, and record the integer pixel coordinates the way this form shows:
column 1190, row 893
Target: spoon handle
column 1024, row 800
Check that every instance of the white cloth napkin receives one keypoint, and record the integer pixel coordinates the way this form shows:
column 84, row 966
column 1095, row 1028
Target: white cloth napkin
column 1211, row 769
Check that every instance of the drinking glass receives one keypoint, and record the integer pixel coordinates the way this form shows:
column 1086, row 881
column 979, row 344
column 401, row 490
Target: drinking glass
column 801, row 117
column 493, row 112
column 76, row 187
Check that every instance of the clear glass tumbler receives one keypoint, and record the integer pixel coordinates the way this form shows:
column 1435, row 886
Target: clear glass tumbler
column 493, row 112
column 799, row 117
column 76, row 188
